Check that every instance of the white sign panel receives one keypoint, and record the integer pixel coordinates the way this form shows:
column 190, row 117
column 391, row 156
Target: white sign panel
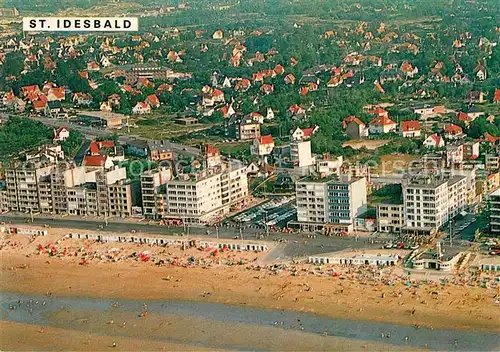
column 80, row 24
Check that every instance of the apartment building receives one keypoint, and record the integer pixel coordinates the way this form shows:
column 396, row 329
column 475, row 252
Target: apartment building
column 64, row 188
column 153, row 191
column 203, row 196
column 300, row 153
column 390, row 217
column 431, row 201
column 491, row 162
column 330, row 201
column 494, row 204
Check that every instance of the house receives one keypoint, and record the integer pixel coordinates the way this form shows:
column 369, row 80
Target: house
column 334, row 81
column 141, row 108
column 160, row 150
column 227, row 111
column 56, row 94
column 382, row 124
column 18, row 105
column 434, row 141
column 153, row 101
column 267, row 89
column 243, row 85
column 270, row 114
column 493, row 140
column 256, row 117
column 355, row 128
column 471, row 150
column 474, row 112
column 496, row 97
column 218, row 34
column 39, row 105
column 82, row 99
column 93, row 66
column 408, row 70
column 106, row 106
column 475, row 96
column 54, row 109
column 252, row 168
column 302, row 134
column 97, row 161
column 410, row 129
column 263, row 145
column 279, row 69
column 289, row 79
column 480, row 72
column 297, row 111
column 61, row 134
column 30, row 91
column 453, row 132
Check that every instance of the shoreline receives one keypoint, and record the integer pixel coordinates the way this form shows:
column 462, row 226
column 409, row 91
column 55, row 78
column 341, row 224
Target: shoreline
column 271, row 292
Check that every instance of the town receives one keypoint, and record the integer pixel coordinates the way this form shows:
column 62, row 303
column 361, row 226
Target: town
column 369, row 140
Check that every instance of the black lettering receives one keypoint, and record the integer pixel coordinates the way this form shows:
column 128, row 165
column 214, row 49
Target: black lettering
column 97, row 24
column 127, row 24
column 32, row 23
column 77, row 23
column 42, row 23
column 66, row 24
column 58, row 23
column 86, row 24
column 107, row 24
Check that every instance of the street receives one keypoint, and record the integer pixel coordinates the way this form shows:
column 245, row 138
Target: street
column 297, row 245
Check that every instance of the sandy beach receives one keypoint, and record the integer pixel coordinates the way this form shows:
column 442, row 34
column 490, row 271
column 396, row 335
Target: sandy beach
column 233, row 278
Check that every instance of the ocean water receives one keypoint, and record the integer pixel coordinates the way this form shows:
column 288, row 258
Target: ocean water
column 40, row 310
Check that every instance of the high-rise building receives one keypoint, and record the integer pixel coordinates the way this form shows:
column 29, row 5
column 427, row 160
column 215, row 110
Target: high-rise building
column 431, row 201
column 494, row 204
column 207, row 194
column 153, row 191
column 330, row 200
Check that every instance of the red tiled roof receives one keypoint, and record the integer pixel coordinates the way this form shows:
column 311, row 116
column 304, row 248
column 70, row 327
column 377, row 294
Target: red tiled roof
column 490, row 138
column 153, row 100
column 95, row 160
column 279, row 69
column 453, row 129
column 39, row 104
column 411, row 125
column 211, row 150
column 266, row 139
column 350, row 119
column 57, row 92
column 496, row 98
column 462, row 116
column 436, row 138
column 378, row 111
column 382, row 121
column 308, row 132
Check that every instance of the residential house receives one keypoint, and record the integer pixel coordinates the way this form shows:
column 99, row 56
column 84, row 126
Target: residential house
column 106, row 106
column 61, row 134
column 82, row 99
column 302, row 134
column 141, row 108
column 453, row 132
column 55, row 110
column 93, row 66
column 434, row 141
column 243, row 85
column 267, row 89
column 475, row 96
column 270, row 114
column 496, row 97
column 480, row 72
column 263, row 145
column 289, row 79
column 382, row 124
column 410, row 129
column 39, row 105
column 408, row 70
column 297, row 111
column 153, row 101
column 56, row 94
column 212, row 156
column 227, row 111
column 160, row 150
column 218, row 34
column 355, row 128
column 474, row 112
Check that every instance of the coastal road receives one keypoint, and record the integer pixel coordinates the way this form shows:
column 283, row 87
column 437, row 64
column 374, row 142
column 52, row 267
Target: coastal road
column 297, row 245
column 94, row 132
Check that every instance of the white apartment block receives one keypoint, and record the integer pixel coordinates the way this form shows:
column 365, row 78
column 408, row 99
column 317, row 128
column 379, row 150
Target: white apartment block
column 206, row 195
column 63, row 188
column 390, row 217
column 153, row 184
column 430, row 201
column 330, row 200
column 300, row 153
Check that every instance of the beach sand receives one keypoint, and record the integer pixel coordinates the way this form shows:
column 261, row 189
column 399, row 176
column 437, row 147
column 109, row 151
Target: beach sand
column 455, row 307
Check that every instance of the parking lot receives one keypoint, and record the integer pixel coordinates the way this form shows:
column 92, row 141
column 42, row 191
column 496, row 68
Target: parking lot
column 274, row 214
